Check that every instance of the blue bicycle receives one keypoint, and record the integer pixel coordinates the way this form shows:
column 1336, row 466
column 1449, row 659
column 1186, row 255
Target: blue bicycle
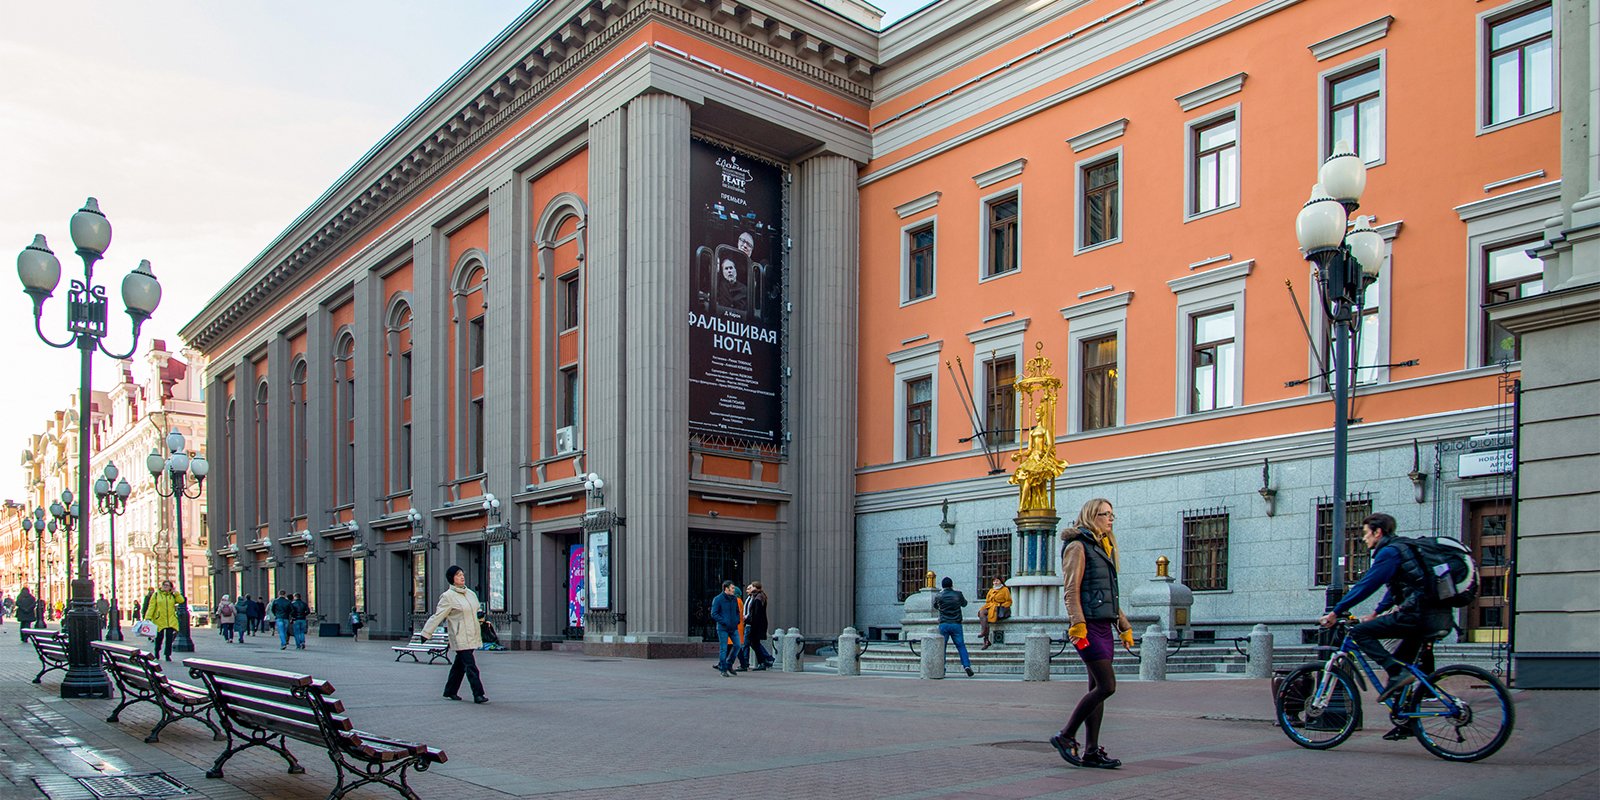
column 1459, row 713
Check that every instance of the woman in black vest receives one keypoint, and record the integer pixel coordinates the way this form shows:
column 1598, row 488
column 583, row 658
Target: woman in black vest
column 1094, row 622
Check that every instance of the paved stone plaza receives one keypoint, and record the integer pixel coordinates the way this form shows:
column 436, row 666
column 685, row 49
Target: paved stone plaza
column 564, row 724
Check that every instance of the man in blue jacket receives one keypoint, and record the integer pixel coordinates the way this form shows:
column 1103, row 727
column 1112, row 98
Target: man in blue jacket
column 725, row 613
column 1402, row 614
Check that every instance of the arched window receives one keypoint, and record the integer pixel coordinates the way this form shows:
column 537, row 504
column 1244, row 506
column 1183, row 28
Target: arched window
column 298, row 461
column 470, row 303
column 561, row 242
column 230, row 449
column 397, row 405
column 262, row 444
column 344, row 420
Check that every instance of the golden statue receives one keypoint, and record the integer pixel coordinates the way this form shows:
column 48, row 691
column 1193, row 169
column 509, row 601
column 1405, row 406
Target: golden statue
column 1037, row 464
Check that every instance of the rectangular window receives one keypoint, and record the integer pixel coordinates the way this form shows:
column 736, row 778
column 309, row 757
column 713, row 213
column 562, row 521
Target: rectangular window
column 919, row 417
column 1213, row 361
column 571, row 300
column 1003, row 214
column 567, row 400
column 1101, row 204
column 994, row 559
column 919, row 265
column 404, row 378
column 1520, row 65
column 1205, row 551
column 402, row 464
column 1512, row 273
column 1356, row 557
column 475, row 343
column 1099, row 383
column 1355, row 111
column 1000, row 399
column 913, row 568
column 1216, row 164
column 475, row 437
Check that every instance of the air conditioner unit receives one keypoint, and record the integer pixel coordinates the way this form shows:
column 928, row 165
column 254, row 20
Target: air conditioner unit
column 566, row 439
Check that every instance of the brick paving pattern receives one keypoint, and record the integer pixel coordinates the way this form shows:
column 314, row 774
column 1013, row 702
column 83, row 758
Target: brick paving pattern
column 579, row 727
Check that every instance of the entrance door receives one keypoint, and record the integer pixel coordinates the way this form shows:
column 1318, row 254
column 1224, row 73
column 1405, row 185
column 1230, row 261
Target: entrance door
column 712, row 560
column 1488, row 534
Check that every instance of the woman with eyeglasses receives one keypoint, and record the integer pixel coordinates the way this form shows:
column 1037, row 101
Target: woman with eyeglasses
column 1094, row 622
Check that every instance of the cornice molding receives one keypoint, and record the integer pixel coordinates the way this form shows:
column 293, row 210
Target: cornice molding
column 991, row 177
column 1351, row 39
column 1097, row 136
column 1188, row 101
column 1501, row 203
column 918, row 205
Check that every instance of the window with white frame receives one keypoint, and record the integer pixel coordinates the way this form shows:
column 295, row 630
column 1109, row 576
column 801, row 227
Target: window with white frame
column 1369, row 333
column 1354, row 104
column 1499, row 229
column 1214, row 163
column 1510, row 273
column 919, row 261
column 1097, row 333
column 997, row 356
column 1210, row 356
column 1002, row 239
column 1519, row 63
column 571, row 299
column 1100, row 200
column 916, row 401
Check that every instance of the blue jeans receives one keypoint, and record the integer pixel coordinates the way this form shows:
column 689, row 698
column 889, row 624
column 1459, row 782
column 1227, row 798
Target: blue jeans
column 283, row 632
column 300, row 633
column 730, row 647
column 952, row 630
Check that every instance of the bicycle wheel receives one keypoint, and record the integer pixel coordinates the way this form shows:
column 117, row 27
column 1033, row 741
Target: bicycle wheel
column 1481, row 723
column 1317, row 725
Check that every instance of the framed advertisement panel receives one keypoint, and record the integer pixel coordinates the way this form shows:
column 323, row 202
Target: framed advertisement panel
column 497, row 576
column 599, row 572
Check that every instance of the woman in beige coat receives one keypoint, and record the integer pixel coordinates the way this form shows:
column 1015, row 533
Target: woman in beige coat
column 458, row 608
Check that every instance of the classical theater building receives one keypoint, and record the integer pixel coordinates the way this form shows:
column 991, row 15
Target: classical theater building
column 657, row 293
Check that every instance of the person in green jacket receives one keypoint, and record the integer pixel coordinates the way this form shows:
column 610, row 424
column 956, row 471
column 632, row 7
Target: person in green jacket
column 162, row 609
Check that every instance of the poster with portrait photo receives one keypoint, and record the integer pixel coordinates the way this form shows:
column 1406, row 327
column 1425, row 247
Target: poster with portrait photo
column 735, row 296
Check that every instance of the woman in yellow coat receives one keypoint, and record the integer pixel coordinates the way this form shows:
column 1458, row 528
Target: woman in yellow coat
column 999, row 597
column 162, row 609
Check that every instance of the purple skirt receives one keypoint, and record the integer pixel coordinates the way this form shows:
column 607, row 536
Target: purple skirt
column 1102, row 641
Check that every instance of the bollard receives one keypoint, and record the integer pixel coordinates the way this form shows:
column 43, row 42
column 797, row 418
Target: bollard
column 1153, row 655
column 793, row 652
column 1260, row 665
column 932, row 664
column 849, row 655
column 1036, row 655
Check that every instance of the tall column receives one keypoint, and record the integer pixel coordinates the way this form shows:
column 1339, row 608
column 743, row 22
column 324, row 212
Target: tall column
column 216, row 490
column 277, row 477
column 605, row 319
column 319, row 418
column 370, row 483
column 823, row 342
column 507, row 345
column 656, row 541
column 428, row 424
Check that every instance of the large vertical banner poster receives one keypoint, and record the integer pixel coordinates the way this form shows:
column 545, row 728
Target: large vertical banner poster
column 575, row 589
column 735, row 296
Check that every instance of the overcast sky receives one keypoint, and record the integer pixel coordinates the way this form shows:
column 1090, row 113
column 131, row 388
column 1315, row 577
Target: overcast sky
column 204, row 129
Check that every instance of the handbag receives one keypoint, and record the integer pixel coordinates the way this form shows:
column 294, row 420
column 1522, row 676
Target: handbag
column 1002, row 612
column 144, row 628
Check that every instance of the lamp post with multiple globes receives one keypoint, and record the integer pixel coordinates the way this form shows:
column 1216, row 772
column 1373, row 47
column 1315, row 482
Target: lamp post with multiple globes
column 111, row 499
column 179, row 466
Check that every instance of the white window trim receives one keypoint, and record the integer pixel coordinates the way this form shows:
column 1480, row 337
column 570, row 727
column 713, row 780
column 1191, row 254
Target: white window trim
column 1481, row 53
column 1203, row 293
column 1493, row 222
column 910, row 364
column 1325, row 81
column 1092, row 320
column 1078, row 247
column 989, row 344
column 905, row 260
column 983, row 232
column 1318, row 321
column 1190, row 178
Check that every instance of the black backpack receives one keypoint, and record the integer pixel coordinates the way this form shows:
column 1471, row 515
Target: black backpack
column 1449, row 575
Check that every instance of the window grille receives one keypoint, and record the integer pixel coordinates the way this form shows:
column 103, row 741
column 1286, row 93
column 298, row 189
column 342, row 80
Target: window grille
column 913, row 568
column 994, row 559
column 1357, row 507
column 1205, row 549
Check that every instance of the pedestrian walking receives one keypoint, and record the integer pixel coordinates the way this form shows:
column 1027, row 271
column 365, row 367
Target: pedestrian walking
column 458, row 609
column 1094, row 622
column 299, row 613
column 725, row 613
column 258, row 612
column 162, row 611
column 280, row 618
column 102, row 608
column 227, row 618
column 26, row 608
column 949, row 602
column 996, row 607
column 755, row 624
column 355, row 624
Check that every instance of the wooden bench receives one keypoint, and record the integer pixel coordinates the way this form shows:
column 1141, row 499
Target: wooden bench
column 265, row 707
column 141, row 679
column 436, row 647
column 51, row 647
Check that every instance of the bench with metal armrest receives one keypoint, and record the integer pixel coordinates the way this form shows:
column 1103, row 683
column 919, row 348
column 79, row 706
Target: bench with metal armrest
column 51, row 647
column 140, row 677
column 436, row 647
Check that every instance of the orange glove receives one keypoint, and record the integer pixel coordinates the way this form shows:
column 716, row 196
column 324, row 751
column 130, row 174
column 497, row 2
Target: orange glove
column 1079, row 634
column 1127, row 639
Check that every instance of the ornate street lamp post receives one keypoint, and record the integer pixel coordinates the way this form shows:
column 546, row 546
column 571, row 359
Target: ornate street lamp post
column 111, row 499
column 65, row 513
column 1347, row 260
column 179, row 466
column 86, row 323
column 39, row 526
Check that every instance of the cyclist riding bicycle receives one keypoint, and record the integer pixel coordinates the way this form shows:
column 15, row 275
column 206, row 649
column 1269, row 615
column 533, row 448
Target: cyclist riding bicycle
column 1402, row 614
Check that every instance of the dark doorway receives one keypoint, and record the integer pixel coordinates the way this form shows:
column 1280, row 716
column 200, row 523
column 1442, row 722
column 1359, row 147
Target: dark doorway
column 712, row 560
column 1488, row 534
column 571, row 593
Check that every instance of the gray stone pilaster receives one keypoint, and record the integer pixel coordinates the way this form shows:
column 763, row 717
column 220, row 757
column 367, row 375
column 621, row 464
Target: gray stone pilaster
column 823, row 345
column 244, row 442
column 370, row 485
column 319, row 418
column 605, row 319
column 505, row 375
column 656, row 540
column 277, row 483
column 216, row 490
column 428, row 313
